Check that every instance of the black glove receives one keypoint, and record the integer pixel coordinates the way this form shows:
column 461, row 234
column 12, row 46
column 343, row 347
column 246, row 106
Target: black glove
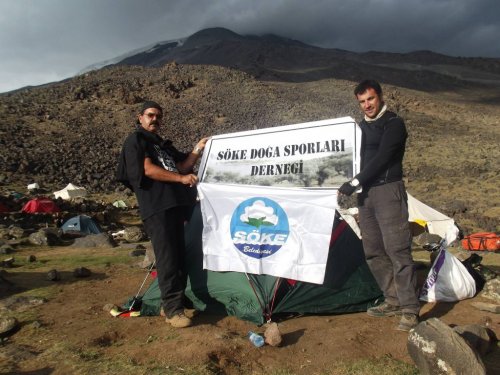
column 347, row 188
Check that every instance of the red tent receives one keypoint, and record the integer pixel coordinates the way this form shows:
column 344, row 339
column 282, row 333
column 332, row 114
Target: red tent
column 40, row 205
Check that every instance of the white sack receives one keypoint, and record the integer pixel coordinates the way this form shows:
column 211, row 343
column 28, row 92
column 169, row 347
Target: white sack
column 448, row 280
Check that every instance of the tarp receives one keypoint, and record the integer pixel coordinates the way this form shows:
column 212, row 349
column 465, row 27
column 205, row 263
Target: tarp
column 348, row 285
column 426, row 217
column 81, row 224
column 40, row 205
column 437, row 223
column 70, row 191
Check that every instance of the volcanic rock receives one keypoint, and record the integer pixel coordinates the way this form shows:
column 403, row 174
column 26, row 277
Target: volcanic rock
column 53, row 275
column 7, row 325
column 133, row 234
column 95, row 240
column 82, row 272
column 438, row 349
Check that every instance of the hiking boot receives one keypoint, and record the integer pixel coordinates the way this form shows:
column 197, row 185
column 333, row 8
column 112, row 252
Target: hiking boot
column 407, row 322
column 385, row 309
column 179, row 320
column 190, row 313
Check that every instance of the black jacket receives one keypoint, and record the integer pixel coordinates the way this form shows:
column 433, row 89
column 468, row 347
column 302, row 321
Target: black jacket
column 382, row 150
column 153, row 196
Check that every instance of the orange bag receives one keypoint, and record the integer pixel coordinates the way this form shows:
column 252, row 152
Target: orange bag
column 482, row 241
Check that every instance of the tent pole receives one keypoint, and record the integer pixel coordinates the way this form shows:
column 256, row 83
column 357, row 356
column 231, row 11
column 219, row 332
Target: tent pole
column 143, row 282
column 276, row 286
column 256, row 295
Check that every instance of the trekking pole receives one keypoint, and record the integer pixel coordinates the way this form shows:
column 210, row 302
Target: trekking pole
column 134, row 300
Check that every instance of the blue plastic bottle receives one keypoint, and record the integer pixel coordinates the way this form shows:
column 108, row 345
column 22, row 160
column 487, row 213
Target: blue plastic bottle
column 256, row 339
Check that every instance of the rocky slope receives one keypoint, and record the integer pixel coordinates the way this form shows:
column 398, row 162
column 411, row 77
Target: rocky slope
column 72, row 131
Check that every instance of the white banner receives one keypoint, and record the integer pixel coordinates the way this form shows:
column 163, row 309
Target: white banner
column 264, row 230
column 319, row 154
column 257, row 215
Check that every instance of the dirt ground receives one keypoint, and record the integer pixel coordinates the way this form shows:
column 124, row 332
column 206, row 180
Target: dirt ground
column 70, row 333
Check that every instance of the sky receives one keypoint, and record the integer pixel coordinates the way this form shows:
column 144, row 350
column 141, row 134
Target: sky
column 43, row 41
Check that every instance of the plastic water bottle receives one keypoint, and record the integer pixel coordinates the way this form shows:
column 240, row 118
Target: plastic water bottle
column 256, row 339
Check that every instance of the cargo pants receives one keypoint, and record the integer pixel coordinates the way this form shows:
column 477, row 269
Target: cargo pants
column 386, row 237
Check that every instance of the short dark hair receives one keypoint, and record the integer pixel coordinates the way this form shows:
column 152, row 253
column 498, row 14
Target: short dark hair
column 368, row 84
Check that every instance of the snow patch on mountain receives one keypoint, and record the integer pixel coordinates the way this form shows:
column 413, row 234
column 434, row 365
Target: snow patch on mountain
column 147, row 49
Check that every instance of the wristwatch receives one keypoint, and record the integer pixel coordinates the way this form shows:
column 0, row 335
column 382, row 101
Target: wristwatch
column 354, row 182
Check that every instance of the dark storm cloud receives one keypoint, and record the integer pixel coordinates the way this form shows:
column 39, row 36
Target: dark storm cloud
column 41, row 41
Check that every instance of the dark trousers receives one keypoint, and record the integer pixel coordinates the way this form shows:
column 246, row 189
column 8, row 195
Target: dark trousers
column 166, row 231
column 385, row 231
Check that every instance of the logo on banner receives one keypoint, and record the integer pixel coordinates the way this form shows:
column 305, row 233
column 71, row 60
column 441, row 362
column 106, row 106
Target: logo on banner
column 259, row 227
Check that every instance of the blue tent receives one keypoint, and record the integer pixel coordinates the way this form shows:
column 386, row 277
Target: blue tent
column 81, row 224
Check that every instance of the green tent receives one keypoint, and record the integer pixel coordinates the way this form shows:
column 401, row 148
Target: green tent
column 348, row 286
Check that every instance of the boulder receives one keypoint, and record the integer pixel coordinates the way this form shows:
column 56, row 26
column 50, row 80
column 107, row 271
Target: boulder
column 43, row 238
column 437, row 349
column 82, row 272
column 491, row 290
column 7, row 326
column 16, row 232
column 478, row 337
column 53, row 275
column 133, row 234
column 94, row 240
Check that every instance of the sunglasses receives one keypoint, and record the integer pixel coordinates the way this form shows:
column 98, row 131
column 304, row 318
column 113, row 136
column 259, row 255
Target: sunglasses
column 153, row 115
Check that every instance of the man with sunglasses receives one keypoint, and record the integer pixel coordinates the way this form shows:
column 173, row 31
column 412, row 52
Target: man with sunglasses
column 163, row 181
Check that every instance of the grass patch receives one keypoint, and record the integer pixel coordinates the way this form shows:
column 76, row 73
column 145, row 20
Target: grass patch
column 73, row 261
column 380, row 366
column 88, row 354
column 43, row 292
column 86, row 260
column 92, row 362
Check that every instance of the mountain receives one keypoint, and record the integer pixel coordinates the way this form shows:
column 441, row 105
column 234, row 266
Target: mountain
column 271, row 57
column 217, row 81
